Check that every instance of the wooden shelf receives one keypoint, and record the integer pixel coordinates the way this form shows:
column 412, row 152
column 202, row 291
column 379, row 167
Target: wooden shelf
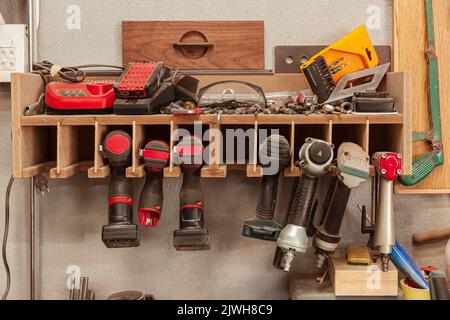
column 108, row 120
column 67, row 145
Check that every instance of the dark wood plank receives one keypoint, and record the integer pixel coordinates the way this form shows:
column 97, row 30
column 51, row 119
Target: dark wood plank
column 236, row 45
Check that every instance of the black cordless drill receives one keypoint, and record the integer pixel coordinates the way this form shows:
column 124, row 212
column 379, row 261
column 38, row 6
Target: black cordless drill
column 155, row 156
column 120, row 231
column 275, row 154
column 192, row 234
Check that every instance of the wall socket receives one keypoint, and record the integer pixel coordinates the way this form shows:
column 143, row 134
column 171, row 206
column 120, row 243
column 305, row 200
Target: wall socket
column 13, row 50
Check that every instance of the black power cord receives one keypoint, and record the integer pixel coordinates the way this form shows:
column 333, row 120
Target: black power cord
column 5, row 239
column 74, row 74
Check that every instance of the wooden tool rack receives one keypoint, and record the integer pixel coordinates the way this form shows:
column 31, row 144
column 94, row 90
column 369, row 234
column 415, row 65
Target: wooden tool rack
column 67, row 145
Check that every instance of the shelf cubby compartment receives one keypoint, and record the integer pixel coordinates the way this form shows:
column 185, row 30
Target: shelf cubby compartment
column 74, row 146
column 37, row 151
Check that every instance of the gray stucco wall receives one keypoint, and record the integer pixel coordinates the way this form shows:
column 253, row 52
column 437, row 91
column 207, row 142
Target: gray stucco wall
column 71, row 216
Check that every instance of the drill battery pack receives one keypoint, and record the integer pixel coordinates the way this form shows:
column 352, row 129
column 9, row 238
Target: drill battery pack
column 163, row 97
column 79, row 98
column 191, row 240
column 120, row 236
column 354, row 52
column 139, row 80
column 144, row 88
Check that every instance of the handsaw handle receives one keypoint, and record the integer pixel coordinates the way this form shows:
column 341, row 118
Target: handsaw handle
column 422, row 168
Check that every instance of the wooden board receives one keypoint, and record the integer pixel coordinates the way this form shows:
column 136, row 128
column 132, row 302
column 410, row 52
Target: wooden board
column 234, row 45
column 409, row 55
column 362, row 281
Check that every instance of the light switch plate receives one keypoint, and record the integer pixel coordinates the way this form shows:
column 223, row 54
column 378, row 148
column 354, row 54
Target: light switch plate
column 13, row 50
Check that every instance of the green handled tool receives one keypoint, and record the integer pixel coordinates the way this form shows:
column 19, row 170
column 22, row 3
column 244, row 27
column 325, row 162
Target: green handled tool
column 425, row 165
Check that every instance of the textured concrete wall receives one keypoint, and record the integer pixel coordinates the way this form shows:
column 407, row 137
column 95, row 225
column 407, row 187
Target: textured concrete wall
column 71, row 217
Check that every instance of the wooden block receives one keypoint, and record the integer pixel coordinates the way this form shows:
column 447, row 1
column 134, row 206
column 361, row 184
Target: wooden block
column 35, row 170
column 363, row 281
column 233, row 45
column 99, row 173
column 71, row 170
column 254, row 171
column 136, row 173
column 292, row 172
column 214, row 171
column 174, row 172
column 358, row 254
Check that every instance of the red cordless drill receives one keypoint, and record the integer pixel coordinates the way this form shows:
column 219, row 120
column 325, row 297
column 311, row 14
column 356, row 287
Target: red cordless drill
column 155, row 156
column 192, row 234
column 120, row 231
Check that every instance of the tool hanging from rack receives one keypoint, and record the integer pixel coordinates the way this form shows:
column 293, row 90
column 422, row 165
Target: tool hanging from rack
column 120, row 231
column 155, row 156
column 426, row 164
column 275, row 154
column 353, row 165
column 315, row 157
column 192, row 234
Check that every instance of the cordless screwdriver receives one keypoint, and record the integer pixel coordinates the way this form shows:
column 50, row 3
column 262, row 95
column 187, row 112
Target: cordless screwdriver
column 120, row 231
column 353, row 165
column 275, row 155
column 192, row 234
column 315, row 157
column 155, row 156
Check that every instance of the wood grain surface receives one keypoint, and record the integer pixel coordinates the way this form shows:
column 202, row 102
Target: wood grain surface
column 236, row 45
column 409, row 54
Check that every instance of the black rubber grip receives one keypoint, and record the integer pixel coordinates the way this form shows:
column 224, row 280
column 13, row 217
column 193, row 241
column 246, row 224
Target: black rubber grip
column 303, row 201
column 191, row 200
column 152, row 193
column 336, row 210
column 268, row 197
column 120, row 186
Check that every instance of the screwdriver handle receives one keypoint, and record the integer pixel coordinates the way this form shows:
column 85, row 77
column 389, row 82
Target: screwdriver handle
column 433, row 235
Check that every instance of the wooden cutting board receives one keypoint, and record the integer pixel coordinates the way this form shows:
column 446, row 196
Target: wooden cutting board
column 409, row 54
column 194, row 45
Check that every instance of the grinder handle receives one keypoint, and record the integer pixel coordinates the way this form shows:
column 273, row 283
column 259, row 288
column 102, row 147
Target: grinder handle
column 268, row 197
column 433, row 235
column 303, row 201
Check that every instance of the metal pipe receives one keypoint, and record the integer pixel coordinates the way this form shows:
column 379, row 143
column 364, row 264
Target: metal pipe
column 32, row 240
column 33, row 22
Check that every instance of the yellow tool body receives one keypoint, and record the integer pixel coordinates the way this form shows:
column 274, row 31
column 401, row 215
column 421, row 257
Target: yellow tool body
column 352, row 53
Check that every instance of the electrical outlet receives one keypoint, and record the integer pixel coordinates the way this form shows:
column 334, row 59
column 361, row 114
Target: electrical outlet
column 13, row 50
